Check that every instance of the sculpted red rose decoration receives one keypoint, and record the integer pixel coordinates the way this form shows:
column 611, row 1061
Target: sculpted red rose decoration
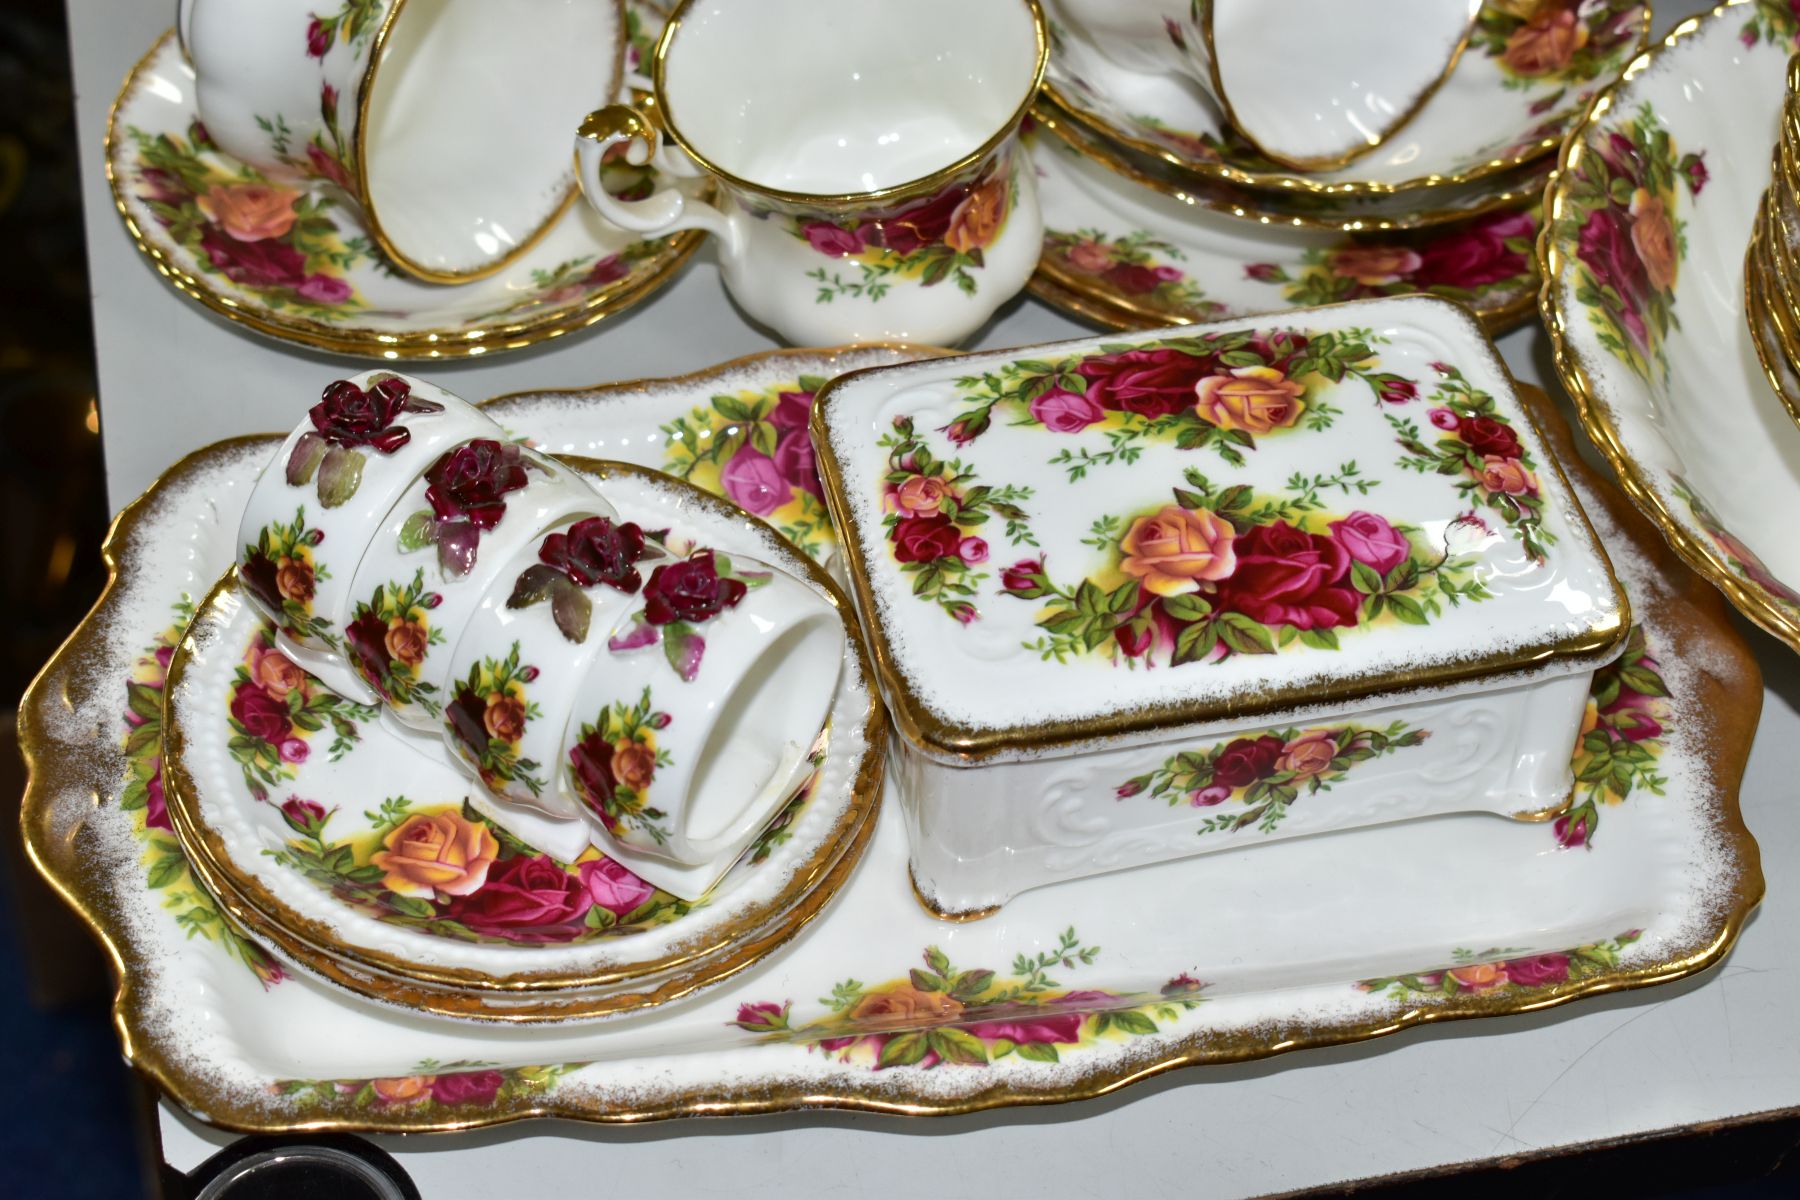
column 471, row 482
column 466, row 489
column 690, row 590
column 595, row 551
column 346, row 415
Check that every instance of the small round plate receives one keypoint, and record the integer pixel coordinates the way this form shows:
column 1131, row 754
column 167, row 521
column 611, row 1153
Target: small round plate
column 1524, row 78
column 290, row 801
column 1126, row 255
column 295, row 265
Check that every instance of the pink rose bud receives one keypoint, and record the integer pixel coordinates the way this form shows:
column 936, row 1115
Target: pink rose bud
column 528, row 674
column 1211, row 794
column 294, row 751
column 659, row 720
column 1444, row 419
column 972, row 550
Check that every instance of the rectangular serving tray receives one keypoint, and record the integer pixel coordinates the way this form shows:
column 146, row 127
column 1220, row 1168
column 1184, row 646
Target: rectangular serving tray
column 1079, row 989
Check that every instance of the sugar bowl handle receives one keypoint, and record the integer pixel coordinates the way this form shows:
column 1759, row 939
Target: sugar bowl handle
column 664, row 211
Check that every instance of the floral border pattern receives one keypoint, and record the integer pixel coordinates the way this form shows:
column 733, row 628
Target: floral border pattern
column 1492, row 972
column 141, row 799
column 274, row 710
column 1268, row 772
column 1223, row 571
column 448, row 871
column 1219, row 391
column 1622, row 218
column 752, row 447
column 1135, row 267
column 939, row 1015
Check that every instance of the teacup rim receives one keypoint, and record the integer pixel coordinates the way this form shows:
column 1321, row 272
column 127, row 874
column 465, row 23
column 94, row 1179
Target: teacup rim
column 371, row 218
column 922, row 185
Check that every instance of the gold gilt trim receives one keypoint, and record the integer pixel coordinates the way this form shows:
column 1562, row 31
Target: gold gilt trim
column 960, row 744
column 259, row 908
column 1596, row 414
column 1727, row 701
column 707, row 376
column 1329, row 162
column 359, row 136
column 1768, row 312
column 364, row 342
column 699, row 975
column 924, row 185
column 1087, row 298
column 1274, row 209
column 1098, row 127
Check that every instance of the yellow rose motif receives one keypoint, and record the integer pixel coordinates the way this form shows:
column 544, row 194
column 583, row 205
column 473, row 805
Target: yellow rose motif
column 1172, row 552
column 977, row 219
column 440, row 852
column 1482, row 977
column 405, row 1089
column 1374, row 265
column 901, row 1006
column 1254, row 399
column 1653, row 236
column 250, row 212
column 1309, row 754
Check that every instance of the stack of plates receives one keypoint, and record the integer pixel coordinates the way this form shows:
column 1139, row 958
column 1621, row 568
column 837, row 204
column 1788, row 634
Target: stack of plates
column 1157, row 210
column 381, row 870
column 1666, row 283
column 1772, row 263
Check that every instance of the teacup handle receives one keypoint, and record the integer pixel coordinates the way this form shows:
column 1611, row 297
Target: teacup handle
column 666, row 210
column 788, row 772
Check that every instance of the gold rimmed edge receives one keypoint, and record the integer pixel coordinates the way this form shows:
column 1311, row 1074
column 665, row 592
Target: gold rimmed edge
column 699, row 975
column 954, row 916
column 1100, row 127
column 262, row 908
column 1731, row 702
column 372, row 218
column 355, row 342
column 1084, row 297
column 1594, row 413
column 1329, row 162
column 924, row 185
column 1760, row 306
column 622, row 388
column 1265, row 208
column 961, row 744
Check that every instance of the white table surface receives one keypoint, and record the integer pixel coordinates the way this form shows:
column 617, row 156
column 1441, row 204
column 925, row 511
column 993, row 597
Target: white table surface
column 173, row 377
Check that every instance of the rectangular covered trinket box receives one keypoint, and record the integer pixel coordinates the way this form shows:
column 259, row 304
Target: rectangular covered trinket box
column 1143, row 596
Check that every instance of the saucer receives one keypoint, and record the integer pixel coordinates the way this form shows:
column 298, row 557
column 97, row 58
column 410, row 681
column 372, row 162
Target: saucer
column 296, row 267
column 334, row 832
column 1519, row 85
column 1127, row 255
column 1648, row 327
column 1648, row 878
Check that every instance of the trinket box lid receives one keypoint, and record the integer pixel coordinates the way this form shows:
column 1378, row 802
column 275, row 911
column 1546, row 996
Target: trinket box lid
column 1201, row 526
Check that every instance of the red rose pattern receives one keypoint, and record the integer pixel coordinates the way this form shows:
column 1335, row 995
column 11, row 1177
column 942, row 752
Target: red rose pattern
column 1286, row 576
column 689, row 590
column 525, row 899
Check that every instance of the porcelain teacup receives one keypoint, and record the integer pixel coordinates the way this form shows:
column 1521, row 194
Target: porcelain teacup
column 868, row 176
column 445, row 124
column 1311, row 86
column 315, row 506
column 664, row 695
